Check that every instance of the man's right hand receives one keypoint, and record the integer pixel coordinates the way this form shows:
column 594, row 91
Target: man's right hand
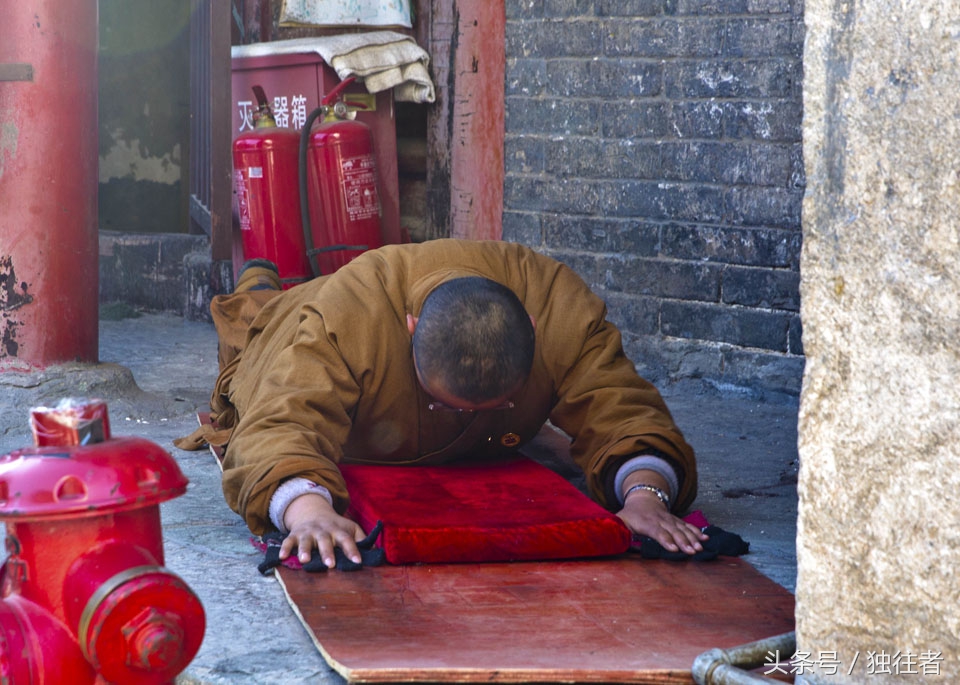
column 313, row 523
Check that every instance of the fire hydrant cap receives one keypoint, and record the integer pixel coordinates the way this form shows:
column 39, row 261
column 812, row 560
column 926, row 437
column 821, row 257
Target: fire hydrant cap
column 116, row 475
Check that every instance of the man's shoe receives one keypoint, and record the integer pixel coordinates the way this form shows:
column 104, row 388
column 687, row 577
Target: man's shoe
column 258, row 274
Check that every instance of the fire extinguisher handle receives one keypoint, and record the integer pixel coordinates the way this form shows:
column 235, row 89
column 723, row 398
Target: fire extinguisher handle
column 337, row 89
column 261, row 96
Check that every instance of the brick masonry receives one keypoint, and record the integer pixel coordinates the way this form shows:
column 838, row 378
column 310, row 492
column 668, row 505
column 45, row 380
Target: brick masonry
column 655, row 147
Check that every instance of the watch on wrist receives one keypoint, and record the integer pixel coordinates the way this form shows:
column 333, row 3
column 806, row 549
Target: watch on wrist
column 661, row 495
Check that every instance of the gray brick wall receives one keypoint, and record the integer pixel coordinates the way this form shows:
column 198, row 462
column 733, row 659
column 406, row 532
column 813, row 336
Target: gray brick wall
column 655, row 147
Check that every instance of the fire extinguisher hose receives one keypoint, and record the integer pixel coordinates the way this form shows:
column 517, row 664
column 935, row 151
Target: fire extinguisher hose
column 304, row 200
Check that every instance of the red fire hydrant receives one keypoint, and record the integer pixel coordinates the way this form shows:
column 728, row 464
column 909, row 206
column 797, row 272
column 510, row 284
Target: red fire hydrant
column 84, row 595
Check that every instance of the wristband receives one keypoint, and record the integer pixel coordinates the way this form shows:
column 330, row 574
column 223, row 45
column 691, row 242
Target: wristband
column 288, row 491
column 661, row 495
column 649, row 462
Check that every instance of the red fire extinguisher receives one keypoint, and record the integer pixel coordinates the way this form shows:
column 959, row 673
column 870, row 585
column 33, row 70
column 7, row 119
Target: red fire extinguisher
column 265, row 167
column 339, row 202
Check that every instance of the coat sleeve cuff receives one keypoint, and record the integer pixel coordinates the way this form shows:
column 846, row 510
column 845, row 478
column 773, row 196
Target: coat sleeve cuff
column 288, row 491
column 646, row 462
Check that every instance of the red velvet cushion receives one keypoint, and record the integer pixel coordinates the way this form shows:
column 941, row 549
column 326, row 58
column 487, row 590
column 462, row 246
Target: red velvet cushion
column 506, row 511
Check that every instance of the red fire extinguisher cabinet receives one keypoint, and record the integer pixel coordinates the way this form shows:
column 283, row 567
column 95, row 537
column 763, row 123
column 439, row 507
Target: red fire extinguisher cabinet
column 295, row 83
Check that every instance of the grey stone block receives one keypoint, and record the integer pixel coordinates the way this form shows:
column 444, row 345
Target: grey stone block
column 732, row 78
column 640, row 118
column 749, row 246
column 525, row 77
column 624, row 236
column 552, row 38
column 764, row 206
column 664, row 38
column 762, row 37
column 523, row 154
column 690, row 281
column 523, row 227
column 763, row 288
column 605, row 78
column 765, row 330
column 145, row 271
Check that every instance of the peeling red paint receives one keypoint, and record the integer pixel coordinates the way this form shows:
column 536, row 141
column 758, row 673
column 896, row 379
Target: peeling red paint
column 13, row 296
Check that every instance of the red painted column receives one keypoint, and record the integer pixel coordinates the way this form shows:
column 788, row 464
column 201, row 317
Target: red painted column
column 49, row 278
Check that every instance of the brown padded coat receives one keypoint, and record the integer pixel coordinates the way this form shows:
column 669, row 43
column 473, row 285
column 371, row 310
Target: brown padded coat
column 326, row 375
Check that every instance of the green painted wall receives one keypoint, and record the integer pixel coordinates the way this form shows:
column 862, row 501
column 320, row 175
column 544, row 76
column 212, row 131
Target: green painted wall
column 144, row 127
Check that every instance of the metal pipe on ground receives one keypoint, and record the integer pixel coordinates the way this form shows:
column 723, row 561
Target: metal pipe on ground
column 733, row 666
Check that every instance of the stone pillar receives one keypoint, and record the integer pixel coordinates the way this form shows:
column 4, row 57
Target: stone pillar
column 879, row 517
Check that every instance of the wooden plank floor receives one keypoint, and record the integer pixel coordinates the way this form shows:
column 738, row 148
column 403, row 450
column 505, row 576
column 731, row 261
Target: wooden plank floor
column 609, row 620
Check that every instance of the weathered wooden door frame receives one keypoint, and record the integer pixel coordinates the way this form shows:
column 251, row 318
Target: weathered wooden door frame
column 210, row 164
column 465, row 136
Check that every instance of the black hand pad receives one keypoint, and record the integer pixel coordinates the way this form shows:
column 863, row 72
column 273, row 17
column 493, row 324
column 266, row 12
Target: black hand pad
column 720, row 543
column 271, row 556
column 725, row 543
column 369, row 555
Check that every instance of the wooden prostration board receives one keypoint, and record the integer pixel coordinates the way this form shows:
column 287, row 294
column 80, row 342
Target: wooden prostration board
column 608, row 620
column 612, row 620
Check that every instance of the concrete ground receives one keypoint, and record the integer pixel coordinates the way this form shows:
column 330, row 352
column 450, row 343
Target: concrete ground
column 157, row 370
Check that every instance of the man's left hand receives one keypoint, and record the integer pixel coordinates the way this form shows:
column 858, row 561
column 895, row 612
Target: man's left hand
column 645, row 514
